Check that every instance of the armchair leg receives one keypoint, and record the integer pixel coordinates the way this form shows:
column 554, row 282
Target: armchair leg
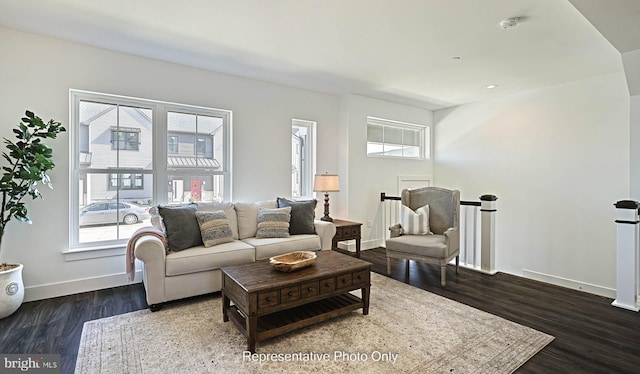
column 406, row 269
column 443, row 275
column 457, row 263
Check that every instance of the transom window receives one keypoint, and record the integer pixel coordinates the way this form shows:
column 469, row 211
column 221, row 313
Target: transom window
column 387, row 138
column 181, row 155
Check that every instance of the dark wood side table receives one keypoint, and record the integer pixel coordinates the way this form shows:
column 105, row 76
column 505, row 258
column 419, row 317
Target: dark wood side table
column 347, row 230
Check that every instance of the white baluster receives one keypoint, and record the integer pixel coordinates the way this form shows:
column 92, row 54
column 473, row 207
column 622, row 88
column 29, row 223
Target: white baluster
column 628, row 236
column 488, row 223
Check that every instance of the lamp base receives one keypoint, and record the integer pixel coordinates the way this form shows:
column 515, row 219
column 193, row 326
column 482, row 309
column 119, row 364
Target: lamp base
column 326, row 216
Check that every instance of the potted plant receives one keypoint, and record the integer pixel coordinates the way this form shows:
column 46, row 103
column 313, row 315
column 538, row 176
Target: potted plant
column 29, row 160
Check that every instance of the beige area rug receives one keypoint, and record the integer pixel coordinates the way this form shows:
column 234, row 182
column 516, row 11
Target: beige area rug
column 408, row 330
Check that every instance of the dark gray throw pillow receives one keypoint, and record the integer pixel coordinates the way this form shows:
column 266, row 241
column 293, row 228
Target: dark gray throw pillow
column 182, row 228
column 302, row 215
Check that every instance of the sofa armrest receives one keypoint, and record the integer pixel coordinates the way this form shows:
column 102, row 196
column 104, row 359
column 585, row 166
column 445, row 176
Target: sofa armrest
column 150, row 250
column 326, row 231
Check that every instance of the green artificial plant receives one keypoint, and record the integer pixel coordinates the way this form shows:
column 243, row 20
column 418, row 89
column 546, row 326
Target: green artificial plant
column 29, row 161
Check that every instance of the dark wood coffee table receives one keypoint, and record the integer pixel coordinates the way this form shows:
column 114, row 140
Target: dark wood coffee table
column 268, row 303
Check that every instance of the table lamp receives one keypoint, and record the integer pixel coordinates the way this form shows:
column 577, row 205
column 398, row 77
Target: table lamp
column 326, row 183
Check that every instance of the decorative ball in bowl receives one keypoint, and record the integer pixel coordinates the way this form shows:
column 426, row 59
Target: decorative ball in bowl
column 293, row 261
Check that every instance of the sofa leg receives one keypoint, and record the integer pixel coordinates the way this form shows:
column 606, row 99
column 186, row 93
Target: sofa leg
column 155, row 307
column 388, row 265
column 443, row 275
column 457, row 263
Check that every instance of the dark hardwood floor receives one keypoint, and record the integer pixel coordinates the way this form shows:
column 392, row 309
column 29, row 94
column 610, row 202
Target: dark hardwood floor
column 591, row 335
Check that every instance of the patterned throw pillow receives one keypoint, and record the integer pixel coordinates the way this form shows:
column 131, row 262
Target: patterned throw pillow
column 214, row 228
column 415, row 223
column 273, row 223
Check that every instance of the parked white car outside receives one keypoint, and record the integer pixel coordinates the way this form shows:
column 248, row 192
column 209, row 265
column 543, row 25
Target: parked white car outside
column 101, row 213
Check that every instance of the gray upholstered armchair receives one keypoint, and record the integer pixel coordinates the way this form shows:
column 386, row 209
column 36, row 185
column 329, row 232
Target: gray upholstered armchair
column 441, row 241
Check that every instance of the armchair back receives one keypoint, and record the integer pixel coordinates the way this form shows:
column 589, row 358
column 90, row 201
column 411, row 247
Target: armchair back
column 444, row 206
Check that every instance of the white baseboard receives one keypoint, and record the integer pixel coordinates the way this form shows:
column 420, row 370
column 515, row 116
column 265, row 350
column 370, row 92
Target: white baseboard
column 350, row 245
column 570, row 283
column 47, row 291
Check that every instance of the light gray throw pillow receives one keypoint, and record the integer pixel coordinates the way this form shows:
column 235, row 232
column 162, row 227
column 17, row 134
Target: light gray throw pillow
column 214, row 228
column 273, row 223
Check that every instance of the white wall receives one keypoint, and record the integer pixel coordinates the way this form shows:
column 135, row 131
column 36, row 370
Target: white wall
column 366, row 176
column 36, row 74
column 557, row 158
column 635, row 148
column 631, row 61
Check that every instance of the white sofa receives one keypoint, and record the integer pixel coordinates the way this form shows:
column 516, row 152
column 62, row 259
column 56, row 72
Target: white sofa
column 194, row 271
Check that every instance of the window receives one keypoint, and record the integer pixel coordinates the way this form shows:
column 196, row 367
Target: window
column 302, row 158
column 125, row 139
column 126, row 181
column 201, row 145
column 173, row 144
column 181, row 155
column 387, row 138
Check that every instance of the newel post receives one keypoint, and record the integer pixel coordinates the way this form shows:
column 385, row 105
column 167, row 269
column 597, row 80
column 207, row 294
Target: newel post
column 488, row 230
column 628, row 235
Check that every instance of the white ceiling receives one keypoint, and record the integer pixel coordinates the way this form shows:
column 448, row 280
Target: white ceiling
column 398, row 50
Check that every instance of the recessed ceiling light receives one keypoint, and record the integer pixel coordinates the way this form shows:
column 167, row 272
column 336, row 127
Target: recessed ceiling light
column 492, row 86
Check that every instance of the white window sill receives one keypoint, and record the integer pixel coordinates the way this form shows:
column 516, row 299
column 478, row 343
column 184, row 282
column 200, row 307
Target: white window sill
column 79, row 254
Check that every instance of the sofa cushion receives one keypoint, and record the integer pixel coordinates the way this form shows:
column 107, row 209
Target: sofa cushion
column 200, row 258
column 273, row 223
column 214, row 228
column 229, row 211
column 269, row 247
column 182, row 228
column 302, row 215
column 248, row 216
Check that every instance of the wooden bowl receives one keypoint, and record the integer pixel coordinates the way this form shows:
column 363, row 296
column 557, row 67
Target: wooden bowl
column 293, row 261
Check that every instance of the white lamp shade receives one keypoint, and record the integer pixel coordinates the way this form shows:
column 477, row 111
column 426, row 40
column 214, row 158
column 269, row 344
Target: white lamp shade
column 326, row 183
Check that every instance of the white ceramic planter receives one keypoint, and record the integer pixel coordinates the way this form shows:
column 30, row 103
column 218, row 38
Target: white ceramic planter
column 11, row 291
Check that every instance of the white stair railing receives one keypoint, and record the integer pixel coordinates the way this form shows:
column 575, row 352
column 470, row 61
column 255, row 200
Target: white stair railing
column 477, row 229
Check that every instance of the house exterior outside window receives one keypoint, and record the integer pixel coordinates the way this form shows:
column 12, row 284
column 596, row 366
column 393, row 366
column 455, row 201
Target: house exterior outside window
column 143, row 152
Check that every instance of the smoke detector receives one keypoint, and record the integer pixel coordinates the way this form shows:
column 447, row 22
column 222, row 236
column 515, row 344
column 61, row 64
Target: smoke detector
column 509, row 22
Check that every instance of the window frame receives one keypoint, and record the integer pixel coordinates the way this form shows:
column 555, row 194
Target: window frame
column 308, row 159
column 159, row 172
column 424, row 138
